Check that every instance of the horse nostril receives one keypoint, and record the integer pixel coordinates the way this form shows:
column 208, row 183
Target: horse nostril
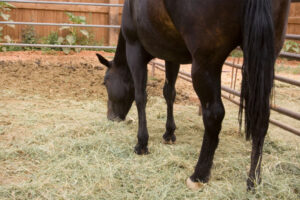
column 110, row 117
column 117, row 119
column 114, row 119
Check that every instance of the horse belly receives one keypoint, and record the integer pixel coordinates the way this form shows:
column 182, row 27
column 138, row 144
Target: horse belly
column 166, row 49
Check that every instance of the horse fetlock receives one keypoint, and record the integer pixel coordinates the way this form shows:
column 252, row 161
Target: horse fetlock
column 143, row 138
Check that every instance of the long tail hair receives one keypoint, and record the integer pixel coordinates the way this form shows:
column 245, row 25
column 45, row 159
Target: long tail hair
column 258, row 69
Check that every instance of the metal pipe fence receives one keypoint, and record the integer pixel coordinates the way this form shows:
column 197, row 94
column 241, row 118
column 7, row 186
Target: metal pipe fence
column 57, row 46
column 60, row 24
column 292, row 36
column 288, row 55
column 187, row 77
column 64, row 3
column 278, row 78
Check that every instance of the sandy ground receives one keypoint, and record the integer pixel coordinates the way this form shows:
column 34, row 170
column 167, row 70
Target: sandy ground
column 80, row 76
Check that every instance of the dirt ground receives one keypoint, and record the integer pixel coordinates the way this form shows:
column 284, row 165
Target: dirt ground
column 53, row 76
column 77, row 76
column 80, row 75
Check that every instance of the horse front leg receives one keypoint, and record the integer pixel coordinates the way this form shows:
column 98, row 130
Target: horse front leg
column 138, row 59
column 170, row 94
column 207, row 84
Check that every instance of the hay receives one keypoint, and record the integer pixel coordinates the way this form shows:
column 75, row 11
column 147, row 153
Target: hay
column 66, row 149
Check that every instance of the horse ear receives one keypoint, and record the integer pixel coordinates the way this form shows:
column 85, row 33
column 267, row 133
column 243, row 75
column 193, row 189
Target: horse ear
column 103, row 60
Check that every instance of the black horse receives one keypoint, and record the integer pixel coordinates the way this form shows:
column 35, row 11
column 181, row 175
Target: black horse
column 201, row 32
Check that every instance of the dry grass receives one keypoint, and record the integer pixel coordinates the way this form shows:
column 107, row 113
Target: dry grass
column 66, row 149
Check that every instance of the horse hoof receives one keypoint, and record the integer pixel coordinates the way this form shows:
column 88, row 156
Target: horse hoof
column 169, row 139
column 194, row 185
column 141, row 151
column 251, row 185
column 170, row 142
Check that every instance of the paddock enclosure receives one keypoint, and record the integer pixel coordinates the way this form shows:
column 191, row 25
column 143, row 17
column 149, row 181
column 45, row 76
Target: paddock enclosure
column 56, row 143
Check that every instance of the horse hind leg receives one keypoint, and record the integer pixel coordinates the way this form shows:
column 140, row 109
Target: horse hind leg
column 170, row 94
column 207, row 84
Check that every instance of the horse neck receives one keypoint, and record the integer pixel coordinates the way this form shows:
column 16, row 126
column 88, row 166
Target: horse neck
column 120, row 56
column 120, row 59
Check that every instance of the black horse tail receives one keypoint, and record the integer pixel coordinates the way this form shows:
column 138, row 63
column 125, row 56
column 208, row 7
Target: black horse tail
column 258, row 69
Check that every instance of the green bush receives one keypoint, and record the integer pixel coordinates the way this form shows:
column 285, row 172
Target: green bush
column 291, row 46
column 75, row 36
column 29, row 36
column 52, row 38
column 5, row 8
column 237, row 53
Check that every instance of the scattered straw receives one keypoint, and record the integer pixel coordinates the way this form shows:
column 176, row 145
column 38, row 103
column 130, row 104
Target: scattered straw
column 68, row 150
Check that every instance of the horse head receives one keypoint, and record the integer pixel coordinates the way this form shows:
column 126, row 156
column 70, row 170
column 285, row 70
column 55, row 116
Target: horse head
column 120, row 89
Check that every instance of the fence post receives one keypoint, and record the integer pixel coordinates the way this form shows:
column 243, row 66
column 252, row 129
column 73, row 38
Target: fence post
column 200, row 109
column 113, row 20
column 153, row 69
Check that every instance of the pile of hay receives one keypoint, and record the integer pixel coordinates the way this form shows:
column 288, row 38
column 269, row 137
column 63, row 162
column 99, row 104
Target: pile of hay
column 66, row 149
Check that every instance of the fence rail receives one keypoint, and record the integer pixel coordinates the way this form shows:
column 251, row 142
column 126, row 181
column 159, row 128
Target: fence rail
column 57, row 46
column 64, row 3
column 290, row 55
column 60, row 24
column 292, row 36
